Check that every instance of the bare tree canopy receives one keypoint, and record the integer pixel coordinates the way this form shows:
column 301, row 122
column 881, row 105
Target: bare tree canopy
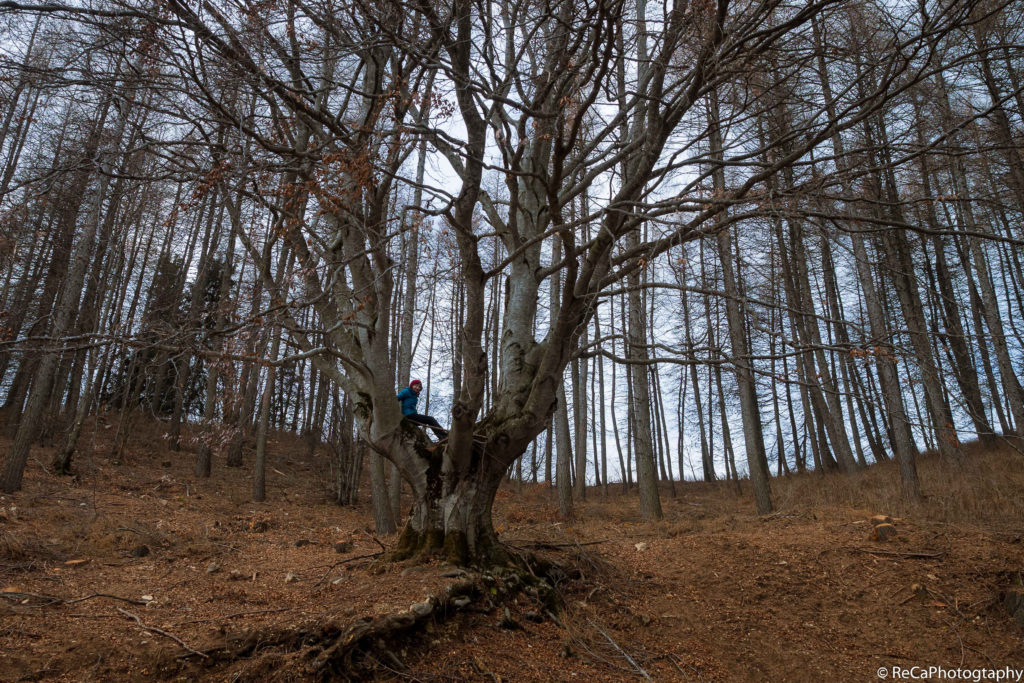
column 821, row 198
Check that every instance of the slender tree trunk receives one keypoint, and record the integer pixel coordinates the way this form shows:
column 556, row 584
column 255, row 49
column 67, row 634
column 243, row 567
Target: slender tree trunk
column 901, row 268
column 579, row 400
column 881, row 345
column 63, row 316
column 753, row 434
column 990, row 309
column 259, row 467
column 204, row 455
column 184, row 363
column 640, row 405
column 285, row 262
column 563, row 474
column 560, row 421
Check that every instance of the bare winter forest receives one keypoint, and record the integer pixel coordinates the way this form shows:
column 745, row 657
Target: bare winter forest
column 626, row 246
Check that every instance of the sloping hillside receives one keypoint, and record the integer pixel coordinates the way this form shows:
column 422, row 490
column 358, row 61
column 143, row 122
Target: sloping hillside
column 139, row 571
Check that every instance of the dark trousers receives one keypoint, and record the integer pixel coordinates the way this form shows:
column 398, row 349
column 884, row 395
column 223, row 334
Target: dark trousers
column 428, row 421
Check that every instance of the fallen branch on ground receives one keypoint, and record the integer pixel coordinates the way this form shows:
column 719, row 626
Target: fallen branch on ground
column 545, row 545
column 106, row 595
column 57, row 600
column 625, row 654
column 914, row 554
column 345, row 561
column 235, row 615
column 18, row 596
column 162, row 632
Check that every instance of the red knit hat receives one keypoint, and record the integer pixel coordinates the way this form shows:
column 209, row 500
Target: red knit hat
column 415, row 381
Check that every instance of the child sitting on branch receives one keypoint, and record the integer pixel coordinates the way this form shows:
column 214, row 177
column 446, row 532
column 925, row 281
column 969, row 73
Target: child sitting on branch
column 408, row 397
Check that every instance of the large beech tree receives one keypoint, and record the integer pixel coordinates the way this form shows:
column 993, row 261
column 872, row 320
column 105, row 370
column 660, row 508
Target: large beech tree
column 533, row 105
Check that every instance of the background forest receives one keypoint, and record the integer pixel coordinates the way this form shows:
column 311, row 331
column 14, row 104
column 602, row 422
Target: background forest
column 762, row 237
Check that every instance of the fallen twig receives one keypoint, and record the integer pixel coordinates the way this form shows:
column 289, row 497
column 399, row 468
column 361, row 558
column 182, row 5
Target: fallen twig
column 542, row 545
column 162, row 632
column 358, row 557
column 919, row 555
column 345, row 561
column 675, row 659
column 625, row 654
column 57, row 600
column 376, row 540
column 106, row 595
column 236, row 614
column 18, row 596
column 554, row 618
column 935, row 595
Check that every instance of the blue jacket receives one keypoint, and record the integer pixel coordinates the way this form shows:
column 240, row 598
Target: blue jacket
column 408, row 398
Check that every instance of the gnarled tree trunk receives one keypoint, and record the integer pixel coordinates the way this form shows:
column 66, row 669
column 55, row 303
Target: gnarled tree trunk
column 451, row 515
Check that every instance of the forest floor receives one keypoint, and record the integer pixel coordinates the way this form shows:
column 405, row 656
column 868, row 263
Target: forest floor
column 139, row 571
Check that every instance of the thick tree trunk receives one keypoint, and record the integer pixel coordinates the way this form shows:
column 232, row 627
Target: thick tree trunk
column 451, row 516
column 901, row 437
column 383, row 518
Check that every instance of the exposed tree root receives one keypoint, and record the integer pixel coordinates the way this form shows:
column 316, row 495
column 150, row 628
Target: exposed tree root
column 342, row 658
column 356, row 651
column 379, row 639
